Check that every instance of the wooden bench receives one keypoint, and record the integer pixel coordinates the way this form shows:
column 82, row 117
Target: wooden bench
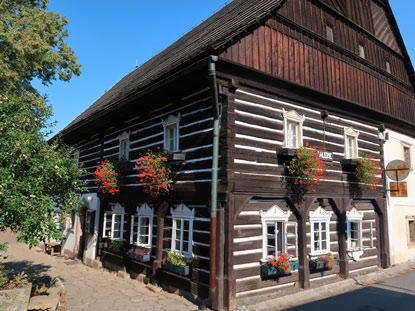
column 53, row 247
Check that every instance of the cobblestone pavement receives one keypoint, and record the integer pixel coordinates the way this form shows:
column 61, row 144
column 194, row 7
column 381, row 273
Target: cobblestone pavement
column 87, row 288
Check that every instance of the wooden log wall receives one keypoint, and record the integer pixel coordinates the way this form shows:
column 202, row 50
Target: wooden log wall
column 258, row 133
column 196, row 126
column 292, row 46
column 248, row 249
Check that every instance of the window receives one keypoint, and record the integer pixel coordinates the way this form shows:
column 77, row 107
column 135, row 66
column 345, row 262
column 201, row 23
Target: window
column 411, row 229
column 182, row 235
column 354, row 230
column 142, row 226
column 320, row 231
column 114, row 223
column 362, row 50
column 350, row 143
column 75, row 156
column 124, row 139
column 407, row 155
column 329, row 32
column 274, row 231
column 293, row 129
column 171, row 133
column 388, row 67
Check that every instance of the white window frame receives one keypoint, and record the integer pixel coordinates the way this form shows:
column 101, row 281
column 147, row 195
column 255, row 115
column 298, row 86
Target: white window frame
column 171, row 122
column 182, row 213
column 116, row 210
column 143, row 211
column 388, row 67
column 361, row 48
column 124, row 154
column 274, row 216
column 350, row 132
column 293, row 117
column 320, row 215
column 329, row 32
column 410, row 153
column 354, row 216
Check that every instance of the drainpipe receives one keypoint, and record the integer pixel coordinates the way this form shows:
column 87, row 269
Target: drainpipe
column 214, row 187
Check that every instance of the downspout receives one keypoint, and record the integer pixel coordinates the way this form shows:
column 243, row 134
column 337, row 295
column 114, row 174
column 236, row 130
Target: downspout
column 214, row 186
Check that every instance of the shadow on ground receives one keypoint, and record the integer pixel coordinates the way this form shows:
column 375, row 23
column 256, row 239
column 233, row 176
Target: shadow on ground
column 37, row 273
column 366, row 299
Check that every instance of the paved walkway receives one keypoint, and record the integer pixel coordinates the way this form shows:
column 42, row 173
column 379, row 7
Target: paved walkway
column 89, row 289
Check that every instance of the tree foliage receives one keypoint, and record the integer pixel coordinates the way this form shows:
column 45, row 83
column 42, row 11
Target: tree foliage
column 38, row 184
column 32, row 46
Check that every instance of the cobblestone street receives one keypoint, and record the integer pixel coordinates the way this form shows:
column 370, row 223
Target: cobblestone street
column 87, row 288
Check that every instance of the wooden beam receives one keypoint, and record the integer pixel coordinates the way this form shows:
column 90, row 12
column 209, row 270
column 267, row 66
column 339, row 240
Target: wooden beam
column 161, row 214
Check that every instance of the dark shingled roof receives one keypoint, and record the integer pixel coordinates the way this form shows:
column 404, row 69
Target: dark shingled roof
column 210, row 34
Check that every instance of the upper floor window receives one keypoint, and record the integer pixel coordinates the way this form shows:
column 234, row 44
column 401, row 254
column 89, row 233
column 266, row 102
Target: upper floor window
column 182, row 235
column 362, row 50
column 407, row 154
column 329, row 32
column 114, row 222
column 171, row 133
column 320, row 231
column 293, row 129
column 124, row 139
column 142, row 226
column 274, row 231
column 388, row 67
column 350, row 143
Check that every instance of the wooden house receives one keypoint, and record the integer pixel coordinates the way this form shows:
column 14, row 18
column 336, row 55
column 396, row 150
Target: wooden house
column 260, row 78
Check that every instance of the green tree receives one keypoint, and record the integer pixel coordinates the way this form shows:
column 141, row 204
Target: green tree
column 32, row 46
column 38, row 183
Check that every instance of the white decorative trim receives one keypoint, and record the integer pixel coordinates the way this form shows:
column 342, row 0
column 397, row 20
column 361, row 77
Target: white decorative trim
column 117, row 208
column 354, row 216
column 350, row 132
column 143, row 211
column 293, row 116
column 125, row 136
column 169, row 122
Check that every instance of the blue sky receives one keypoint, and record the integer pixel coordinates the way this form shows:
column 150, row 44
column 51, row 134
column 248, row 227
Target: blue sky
column 109, row 38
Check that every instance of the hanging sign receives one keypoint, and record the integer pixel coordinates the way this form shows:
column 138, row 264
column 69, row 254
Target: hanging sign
column 325, row 155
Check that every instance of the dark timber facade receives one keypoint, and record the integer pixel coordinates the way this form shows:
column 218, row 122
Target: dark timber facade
column 275, row 59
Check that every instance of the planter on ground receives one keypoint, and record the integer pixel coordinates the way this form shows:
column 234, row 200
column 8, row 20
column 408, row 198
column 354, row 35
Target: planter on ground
column 182, row 270
column 15, row 299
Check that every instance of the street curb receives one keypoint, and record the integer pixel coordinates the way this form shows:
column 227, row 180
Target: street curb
column 325, row 291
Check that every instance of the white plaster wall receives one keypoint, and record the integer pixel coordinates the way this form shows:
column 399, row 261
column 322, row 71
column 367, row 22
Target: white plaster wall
column 92, row 202
column 400, row 208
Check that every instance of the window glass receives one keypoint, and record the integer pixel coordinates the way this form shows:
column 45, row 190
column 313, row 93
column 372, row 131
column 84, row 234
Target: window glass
column 171, row 140
column 351, row 152
column 388, row 67
column 329, row 33
column 407, row 155
column 411, row 224
column 362, row 51
column 124, row 149
column 292, row 134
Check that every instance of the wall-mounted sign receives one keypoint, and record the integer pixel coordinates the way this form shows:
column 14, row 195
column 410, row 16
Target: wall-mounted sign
column 325, row 155
column 397, row 170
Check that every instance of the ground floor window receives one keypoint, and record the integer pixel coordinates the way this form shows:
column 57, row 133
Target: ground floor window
column 142, row 226
column 354, row 230
column 320, row 231
column 182, row 235
column 113, row 227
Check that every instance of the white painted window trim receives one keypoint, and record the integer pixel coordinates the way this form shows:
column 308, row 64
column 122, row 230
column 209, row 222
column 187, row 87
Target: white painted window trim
column 350, row 132
column 143, row 211
column 320, row 215
column 182, row 212
column 117, row 209
column 294, row 117
column 362, row 52
column 124, row 137
column 273, row 216
column 354, row 216
column 167, row 123
column 409, row 146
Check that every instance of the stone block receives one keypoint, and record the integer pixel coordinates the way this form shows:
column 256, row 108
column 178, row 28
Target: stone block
column 43, row 302
column 15, row 299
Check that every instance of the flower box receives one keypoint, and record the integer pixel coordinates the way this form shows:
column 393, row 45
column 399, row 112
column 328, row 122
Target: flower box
column 272, row 271
column 294, row 265
column 317, row 265
column 141, row 258
column 182, row 270
column 286, row 152
column 349, row 162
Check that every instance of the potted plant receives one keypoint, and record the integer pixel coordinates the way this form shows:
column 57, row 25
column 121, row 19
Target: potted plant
column 368, row 171
column 106, row 177
column 306, row 169
column 324, row 262
column 113, row 246
column 278, row 265
column 139, row 253
column 176, row 262
column 154, row 173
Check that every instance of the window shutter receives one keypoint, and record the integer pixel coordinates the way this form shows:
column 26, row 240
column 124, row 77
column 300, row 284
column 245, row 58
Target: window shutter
column 133, row 233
